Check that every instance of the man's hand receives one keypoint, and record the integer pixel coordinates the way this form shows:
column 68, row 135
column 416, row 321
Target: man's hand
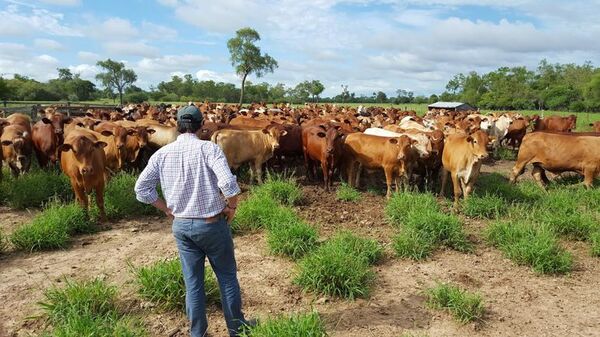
column 162, row 205
column 229, row 213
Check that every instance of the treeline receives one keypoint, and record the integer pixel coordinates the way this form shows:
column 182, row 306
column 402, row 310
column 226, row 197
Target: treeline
column 550, row 86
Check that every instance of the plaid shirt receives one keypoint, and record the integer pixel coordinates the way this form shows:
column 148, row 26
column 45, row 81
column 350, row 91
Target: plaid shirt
column 191, row 172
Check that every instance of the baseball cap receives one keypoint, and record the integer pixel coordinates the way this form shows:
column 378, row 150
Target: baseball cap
column 189, row 113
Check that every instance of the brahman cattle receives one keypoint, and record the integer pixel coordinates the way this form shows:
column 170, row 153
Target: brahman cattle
column 554, row 123
column 324, row 147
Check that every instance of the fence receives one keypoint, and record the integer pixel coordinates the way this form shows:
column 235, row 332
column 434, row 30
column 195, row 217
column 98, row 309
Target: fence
column 32, row 108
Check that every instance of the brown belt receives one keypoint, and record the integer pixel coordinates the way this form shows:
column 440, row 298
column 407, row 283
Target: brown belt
column 214, row 218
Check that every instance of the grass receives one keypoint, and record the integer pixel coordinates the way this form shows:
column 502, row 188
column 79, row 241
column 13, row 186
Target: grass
column 162, row 284
column 52, row 228
column 304, row 325
column 488, row 206
column 464, row 306
column 294, row 240
column 87, row 308
column 413, row 244
column 35, row 189
column 401, row 205
column 120, row 201
column 262, row 211
column 282, row 188
column 340, row 267
column 3, row 242
column 347, row 193
column 595, row 243
column 504, row 153
column 532, row 245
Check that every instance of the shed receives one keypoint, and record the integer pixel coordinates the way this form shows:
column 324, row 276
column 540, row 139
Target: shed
column 453, row 106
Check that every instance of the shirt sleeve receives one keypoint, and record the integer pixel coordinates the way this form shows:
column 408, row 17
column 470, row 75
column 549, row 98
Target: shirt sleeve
column 226, row 181
column 145, row 186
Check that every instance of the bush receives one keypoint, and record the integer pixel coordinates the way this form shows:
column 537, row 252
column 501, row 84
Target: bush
column 282, row 189
column 120, row 201
column 368, row 249
column 293, row 240
column 35, row 188
column 536, row 246
column 413, row 244
column 307, row 325
column 162, row 283
column 347, row 193
column 87, row 309
column 330, row 270
column 52, row 228
column 262, row 211
column 401, row 205
column 485, row 207
column 464, row 306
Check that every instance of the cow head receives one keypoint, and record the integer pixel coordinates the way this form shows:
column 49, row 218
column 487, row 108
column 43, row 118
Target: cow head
column 572, row 122
column 17, row 143
column 83, row 149
column 401, row 146
column 478, row 143
column 486, row 123
column 274, row 131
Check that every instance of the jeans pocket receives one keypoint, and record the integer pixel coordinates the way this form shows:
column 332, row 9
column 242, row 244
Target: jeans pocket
column 181, row 227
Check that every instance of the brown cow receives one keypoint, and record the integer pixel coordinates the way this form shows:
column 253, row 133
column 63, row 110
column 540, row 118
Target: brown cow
column 558, row 153
column 119, row 135
column 58, row 121
column 595, row 126
column 555, row 123
column 516, row 131
column 256, row 147
column 83, row 161
column 324, row 147
column 462, row 159
column 45, row 142
column 372, row 152
column 16, row 148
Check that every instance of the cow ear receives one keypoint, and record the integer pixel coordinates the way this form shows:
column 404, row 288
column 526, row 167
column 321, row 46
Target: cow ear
column 80, row 124
column 321, row 134
column 89, row 114
column 265, row 130
column 283, row 133
column 65, row 147
column 393, row 140
column 67, row 120
column 46, row 121
column 131, row 132
column 100, row 144
column 470, row 139
column 106, row 133
column 97, row 122
column 150, row 131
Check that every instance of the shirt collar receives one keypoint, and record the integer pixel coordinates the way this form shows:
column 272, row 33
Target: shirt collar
column 187, row 135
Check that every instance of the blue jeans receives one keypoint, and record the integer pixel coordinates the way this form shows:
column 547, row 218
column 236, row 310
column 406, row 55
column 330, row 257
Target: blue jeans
column 197, row 239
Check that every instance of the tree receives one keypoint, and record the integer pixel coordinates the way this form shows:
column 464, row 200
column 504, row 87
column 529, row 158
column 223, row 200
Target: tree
column 247, row 58
column 381, row 97
column 315, row 88
column 64, row 74
column 115, row 76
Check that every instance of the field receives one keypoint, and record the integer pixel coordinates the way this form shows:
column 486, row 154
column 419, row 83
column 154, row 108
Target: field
column 515, row 261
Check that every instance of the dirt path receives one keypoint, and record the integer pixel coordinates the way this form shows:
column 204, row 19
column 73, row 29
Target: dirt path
column 520, row 302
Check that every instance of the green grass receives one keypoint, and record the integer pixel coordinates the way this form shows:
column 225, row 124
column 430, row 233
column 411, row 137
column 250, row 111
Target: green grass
column 504, row 153
column 294, row 240
column 301, row 325
column 262, row 211
column 120, row 201
column 401, row 205
column 52, row 228
column 347, row 193
column 488, row 206
column 563, row 211
column 368, row 249
column 532, row 245
column 283, row 189
column 87, row 308
column 495, row 184
column 162, row 284
column 413, row 244
column 3, row 242
column 333, row 270
column 34, row 189
column 464, row 306
column 595, row 243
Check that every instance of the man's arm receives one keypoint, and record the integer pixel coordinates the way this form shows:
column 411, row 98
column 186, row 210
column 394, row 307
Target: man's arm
column 145, row 187
column 226, row 181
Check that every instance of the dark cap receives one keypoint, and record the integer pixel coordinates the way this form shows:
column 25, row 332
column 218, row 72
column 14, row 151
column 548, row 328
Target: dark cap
column 189, row 113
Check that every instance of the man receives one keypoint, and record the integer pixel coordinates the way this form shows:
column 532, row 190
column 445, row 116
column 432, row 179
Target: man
column 193, row 174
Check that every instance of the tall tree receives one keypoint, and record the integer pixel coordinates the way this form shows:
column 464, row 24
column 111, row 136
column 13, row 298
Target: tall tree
column 115, row 76
column 247, row 58
column 315, row 88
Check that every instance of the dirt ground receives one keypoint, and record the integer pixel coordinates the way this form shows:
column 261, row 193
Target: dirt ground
column 518, row 302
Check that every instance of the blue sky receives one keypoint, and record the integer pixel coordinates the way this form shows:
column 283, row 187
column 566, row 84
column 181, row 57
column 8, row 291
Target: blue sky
column 369, row 45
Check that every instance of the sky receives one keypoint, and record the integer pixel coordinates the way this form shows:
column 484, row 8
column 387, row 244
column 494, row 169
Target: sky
column 369, row 45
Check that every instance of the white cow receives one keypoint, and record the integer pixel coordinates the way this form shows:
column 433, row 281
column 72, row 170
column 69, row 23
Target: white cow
column 422, row 146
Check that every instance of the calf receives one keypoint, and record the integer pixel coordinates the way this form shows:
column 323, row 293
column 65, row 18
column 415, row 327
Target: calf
column 242, row 146
column 516, row 131
column 558, row 153
column 83, row 162
column 45, row 142
column 17, row 148
column 372, row 152
column 462, row 159
column 323, row 146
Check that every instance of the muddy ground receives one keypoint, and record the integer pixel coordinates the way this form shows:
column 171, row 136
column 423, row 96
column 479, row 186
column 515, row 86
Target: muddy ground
column 518, row 302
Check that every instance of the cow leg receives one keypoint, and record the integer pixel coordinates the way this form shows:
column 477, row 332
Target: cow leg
column 307, row 164
column 100, row 201
column 517, row 171
column 539, row 175
column 358, row 173
column 389, row 176
column 445, row 174
column 588, row 176
column 258, row 170
column 457, row 189
column 325, row 174
column 80, row 195
column 251, row 169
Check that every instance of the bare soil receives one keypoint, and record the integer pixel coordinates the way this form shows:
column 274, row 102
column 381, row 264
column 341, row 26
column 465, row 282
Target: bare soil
column 518, row 302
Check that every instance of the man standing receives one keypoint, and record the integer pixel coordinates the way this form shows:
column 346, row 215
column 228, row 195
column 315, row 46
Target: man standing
column 201, row 198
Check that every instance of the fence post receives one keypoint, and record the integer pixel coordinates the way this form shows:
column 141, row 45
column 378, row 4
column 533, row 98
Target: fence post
column 5, row 103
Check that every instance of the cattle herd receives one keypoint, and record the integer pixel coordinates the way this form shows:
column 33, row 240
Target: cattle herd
column 343, row 141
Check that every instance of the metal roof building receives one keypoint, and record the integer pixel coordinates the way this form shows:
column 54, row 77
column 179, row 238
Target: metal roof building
column 456, row 106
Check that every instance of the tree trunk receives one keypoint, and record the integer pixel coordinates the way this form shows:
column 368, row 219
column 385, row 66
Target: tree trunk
column 242, row 92
column 121, row 97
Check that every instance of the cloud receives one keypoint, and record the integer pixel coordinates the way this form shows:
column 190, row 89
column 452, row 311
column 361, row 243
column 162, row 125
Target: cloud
column 62, row 2
column 157, row 32
column 113, row 29
column 17, row 58
column 124, row 48
column 86, row 71
column 209, row 75
column 87, row 56
column 171, row 63
column 21, row 21
column 48, row 44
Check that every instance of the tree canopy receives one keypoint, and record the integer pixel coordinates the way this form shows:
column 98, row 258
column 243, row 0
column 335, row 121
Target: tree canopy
column 115, row 76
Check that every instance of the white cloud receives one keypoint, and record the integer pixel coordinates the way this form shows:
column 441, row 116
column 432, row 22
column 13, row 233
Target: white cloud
column 157, row 32
column 172, row 63
column 48, row 44
column 209, row 75
column 86, row 71
column 87, row 56
column 16, row 58
column 62, row 2
column 124, row 48
column 113, row 29
column 16, row 22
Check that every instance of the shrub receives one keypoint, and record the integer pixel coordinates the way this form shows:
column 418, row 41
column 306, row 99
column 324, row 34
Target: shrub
column 52, row 228
column 293, row 240
column 400, row 206
column 120, row 201
column 487, row 206
column 536, row 246
column 330, row 270
column 347, row 193
column 262, row 211
column 595, row 242
column 36, row 188
column 413, row 244
column 162, row 283
column 368, row 249
column 307, row 325
column 464, row 306
column 87, row 309
column 282, row 189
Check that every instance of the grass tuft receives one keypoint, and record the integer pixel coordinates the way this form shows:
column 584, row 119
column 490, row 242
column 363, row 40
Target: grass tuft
column 595, row 242
column 506, row 154
column 413, row 244
column 52, row 228
column 293, row 240
column 488, row 206
column 536, row 246
column 120, row 201
column 262, row 211
column 368, row 249
column 401, row 205
column 162, row 284
column 306, row 325
column 3, row 242
column 464, row 306
column 346, row 192
column 281, row 188
column 35, row 189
